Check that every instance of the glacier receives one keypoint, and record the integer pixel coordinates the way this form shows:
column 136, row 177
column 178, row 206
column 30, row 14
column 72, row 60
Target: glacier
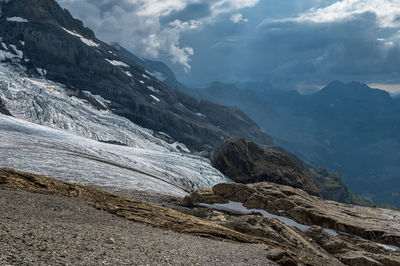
column 47, row 103
column 57, row 134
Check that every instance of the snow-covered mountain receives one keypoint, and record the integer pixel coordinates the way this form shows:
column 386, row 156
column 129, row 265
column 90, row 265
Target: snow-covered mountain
column 52, row 104
column 47, row 41
column 69, row 143
column 82, row 112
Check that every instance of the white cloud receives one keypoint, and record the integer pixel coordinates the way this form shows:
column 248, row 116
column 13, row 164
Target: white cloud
column 238, row 18
column 391, row 88
column 387, row 12
column 136, row 24
column 227, row 6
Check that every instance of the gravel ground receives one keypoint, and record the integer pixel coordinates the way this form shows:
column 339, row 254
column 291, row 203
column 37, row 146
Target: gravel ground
column 38, row 229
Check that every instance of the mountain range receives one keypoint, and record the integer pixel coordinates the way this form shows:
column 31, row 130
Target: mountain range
column 347, row 128
column 80, row 117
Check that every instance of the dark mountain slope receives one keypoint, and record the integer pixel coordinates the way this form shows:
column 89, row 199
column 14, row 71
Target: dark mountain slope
column 331, row 185
column 60, row 48
column 245, row 162
column 347, row 128
column 157, row 69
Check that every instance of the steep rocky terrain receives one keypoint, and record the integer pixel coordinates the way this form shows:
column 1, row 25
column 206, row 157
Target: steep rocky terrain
column 46, row 40
column 157, row 69
column 245, row 162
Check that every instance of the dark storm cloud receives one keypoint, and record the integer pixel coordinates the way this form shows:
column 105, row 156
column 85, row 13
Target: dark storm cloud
column 294, row 44
column 304, row 54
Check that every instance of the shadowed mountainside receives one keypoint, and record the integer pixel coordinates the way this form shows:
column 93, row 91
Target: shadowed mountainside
column 50, row 43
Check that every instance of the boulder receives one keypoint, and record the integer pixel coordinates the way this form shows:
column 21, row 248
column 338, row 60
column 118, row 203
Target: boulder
column 245, row 162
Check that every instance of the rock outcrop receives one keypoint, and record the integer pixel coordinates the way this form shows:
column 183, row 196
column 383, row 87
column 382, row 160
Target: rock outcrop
column 135, row 210
column 284, row 243
column 3, row 109
column 245, row 162
column 353, row 235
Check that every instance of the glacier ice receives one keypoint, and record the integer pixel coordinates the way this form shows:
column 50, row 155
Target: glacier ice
column 55, row 134
column 42, row 150
column 48, row 103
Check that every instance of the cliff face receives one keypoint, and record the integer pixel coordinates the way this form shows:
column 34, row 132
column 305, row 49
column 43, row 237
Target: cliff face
column 245, row 162
column 49, row 42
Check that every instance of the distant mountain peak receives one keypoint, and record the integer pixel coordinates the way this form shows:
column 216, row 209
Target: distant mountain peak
column 353, row 90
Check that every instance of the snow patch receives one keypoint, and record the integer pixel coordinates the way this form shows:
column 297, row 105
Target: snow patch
column 158, row 75
column 19, row 53
column 145, row 76
column 155, row 98
column 42, row 72
column 201, row 115
column 153, row 89
column 17, row 19
column 83, row 39
column 129, row 74
column 165, row 135
column 98, row 98
column 117, row 63
column 180, row 146
column 237, row 207
column 4, row 55
column 389, row 247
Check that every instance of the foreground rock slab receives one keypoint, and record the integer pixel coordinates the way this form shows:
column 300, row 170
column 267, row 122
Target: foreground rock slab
column 164, row 218
column 352, row 234
column 134, row 210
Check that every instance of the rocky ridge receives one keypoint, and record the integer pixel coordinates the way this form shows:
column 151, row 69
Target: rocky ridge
column 245, row 162
column 353, row 235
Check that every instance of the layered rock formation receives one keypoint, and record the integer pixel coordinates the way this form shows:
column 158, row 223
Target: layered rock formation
column 245, row 162
column 287, row 242
column 138, row 211
column 353, row 235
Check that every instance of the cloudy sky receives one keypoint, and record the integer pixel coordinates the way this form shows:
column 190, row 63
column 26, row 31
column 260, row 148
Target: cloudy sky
column 293, row 44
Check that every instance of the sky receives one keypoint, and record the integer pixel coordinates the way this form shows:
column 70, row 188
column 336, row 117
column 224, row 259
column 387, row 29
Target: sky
column 292, row 44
